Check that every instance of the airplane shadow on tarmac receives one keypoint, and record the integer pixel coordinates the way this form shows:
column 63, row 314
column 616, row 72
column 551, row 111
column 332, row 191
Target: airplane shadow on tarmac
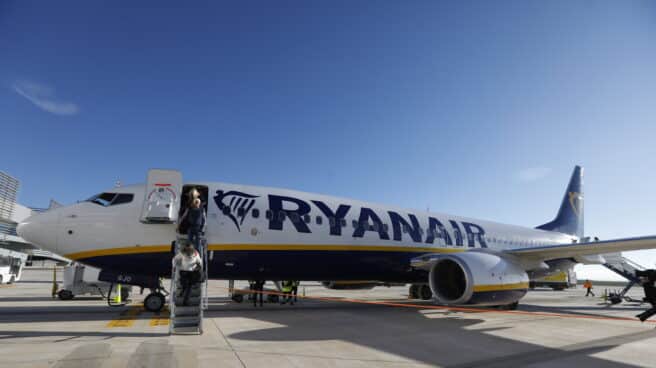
column 449, row 340
column 446, row 341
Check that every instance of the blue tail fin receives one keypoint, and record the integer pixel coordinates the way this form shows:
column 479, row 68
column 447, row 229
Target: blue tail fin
column 570, row 215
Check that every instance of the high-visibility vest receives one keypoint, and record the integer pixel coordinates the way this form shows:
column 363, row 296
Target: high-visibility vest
column 286, row 286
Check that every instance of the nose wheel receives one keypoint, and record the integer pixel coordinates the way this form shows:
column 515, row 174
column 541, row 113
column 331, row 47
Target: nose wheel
column 154, row 302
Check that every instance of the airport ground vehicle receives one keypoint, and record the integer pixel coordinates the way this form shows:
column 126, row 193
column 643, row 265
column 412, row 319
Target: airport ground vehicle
column 246, row 294
column 558, row 281
column 83, row 280
column 11, row 265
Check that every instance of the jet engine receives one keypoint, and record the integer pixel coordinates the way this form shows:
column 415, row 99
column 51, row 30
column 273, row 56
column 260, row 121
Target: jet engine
column 476, row 278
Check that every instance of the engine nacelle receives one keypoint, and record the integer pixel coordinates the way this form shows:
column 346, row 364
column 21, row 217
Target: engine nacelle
column 477, row 278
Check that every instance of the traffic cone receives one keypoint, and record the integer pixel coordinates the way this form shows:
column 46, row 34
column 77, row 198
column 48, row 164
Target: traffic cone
column 117, row 298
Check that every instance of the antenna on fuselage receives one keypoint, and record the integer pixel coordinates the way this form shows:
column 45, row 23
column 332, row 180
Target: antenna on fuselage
column 117, row 184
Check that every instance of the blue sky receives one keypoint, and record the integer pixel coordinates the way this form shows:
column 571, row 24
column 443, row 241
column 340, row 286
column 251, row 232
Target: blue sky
column 473, row 108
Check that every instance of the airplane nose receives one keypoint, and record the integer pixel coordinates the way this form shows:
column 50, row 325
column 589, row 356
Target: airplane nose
column 40, row 230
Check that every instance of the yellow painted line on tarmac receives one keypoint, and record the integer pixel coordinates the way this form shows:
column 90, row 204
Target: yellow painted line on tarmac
column 160, row 319
column 126, row 318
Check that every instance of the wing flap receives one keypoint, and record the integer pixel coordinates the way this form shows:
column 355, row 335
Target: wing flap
column 585, row 249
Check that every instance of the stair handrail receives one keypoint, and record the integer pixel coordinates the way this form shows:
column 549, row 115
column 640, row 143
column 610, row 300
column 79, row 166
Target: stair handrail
column 633, row 264
column 173, row 288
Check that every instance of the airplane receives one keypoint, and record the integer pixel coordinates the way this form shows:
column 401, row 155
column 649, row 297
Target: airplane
column 261, row 233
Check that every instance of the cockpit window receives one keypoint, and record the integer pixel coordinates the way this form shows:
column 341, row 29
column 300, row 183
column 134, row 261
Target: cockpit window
column 103, row 199
column 122, row 198
column 111, row 199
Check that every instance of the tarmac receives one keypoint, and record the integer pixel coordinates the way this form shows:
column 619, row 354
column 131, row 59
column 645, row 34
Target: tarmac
column 551, row 329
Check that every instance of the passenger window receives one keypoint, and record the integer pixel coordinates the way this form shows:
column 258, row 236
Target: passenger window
column 374, row 227
column 343, row 222
column 268, row 214
column 294, row 217
column 240, row 212
column 122, row 198
column 255, row 212
column 385, row 228
column 331, row 220
column 319, row 220
column 307, row 219
column 355, row 224
column 281, row 215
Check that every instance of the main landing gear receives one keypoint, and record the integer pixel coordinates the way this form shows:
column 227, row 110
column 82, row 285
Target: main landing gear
column 420, row 291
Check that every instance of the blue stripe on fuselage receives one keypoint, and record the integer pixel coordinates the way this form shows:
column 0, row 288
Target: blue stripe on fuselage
column 279, row 265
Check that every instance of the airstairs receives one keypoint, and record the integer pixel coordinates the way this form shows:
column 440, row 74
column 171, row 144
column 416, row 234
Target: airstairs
column 188, row 319
column 625, row 268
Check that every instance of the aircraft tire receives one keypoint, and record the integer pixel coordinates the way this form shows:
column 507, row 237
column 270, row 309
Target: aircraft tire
column 511, row 306
column 65, row 294
column 238, row 298
column 154, row 302
column 413, row 291
column 425, row 292
column 11, row 280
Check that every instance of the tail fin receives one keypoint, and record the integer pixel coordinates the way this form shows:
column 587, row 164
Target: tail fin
column 570, row 215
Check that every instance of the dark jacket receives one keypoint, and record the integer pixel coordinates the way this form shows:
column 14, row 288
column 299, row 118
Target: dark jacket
column 194, row 218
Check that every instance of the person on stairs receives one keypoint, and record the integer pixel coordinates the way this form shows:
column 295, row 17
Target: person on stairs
column 194, row 219
column 189, row 264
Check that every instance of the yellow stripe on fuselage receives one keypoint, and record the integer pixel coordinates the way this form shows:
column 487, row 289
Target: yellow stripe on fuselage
column 143, row 249
column 501, row 287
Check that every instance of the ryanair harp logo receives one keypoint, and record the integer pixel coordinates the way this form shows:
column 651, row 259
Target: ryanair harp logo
column 235, row 205
column 576, row 201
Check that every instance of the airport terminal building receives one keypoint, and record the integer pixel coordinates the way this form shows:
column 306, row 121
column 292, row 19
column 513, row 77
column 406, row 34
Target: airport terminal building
column 11, row 213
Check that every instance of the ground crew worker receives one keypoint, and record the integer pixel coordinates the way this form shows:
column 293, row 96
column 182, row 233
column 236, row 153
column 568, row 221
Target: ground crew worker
column 251, row 287
column 588, row 285
column 295, row 289
column 259, row 292
column 287, row 292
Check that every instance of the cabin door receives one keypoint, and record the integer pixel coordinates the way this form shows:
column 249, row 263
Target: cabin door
column 162, row 197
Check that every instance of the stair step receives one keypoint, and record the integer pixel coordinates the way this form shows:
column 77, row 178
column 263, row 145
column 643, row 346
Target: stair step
column 186, row 330
column 193, row 302
column 183, row 311
column 185, row 321
column 193, row 287
column 180, row 296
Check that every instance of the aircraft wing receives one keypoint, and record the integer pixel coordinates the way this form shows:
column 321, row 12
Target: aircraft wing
column 584, row 249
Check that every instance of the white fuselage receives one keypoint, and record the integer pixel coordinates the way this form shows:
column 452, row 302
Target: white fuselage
column 275, row 234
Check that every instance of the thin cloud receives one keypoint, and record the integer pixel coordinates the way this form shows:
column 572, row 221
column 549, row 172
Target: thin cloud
column 533, row 173
column 43, row 97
